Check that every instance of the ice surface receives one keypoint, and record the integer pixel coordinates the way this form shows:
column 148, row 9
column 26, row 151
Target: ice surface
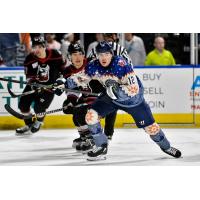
column 129, row 147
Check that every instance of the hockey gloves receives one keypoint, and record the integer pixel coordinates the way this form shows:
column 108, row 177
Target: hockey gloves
column 112, row 89
column 70, row 103
column 58, row 86
column 34, row 85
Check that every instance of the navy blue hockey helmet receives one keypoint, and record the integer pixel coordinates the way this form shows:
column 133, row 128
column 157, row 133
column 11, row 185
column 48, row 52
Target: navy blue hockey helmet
column 103, row 47
column 75, row 47
column 38, row 40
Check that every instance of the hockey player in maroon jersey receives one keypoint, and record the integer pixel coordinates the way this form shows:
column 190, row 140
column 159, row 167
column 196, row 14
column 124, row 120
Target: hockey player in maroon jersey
column 79, row 104
column 42, row 66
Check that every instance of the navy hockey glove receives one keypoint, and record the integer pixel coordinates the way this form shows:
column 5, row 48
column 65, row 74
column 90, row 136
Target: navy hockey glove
column 112, row 88
column 58, row 86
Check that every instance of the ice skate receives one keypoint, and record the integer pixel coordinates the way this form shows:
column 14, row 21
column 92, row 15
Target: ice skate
column 173, row 152
column 86, row 145
column 97, row 153
column 25, row 130
column 78, row 141
column 36, row 126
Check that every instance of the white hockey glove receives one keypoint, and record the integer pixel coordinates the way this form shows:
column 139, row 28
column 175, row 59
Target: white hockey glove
column 112, row 89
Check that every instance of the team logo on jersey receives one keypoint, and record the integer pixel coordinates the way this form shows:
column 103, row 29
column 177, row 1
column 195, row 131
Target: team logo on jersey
column 43, row 73
column 34, row 65
column 121, row 63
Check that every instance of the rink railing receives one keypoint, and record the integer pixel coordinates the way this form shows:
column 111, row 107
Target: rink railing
column 173, row 93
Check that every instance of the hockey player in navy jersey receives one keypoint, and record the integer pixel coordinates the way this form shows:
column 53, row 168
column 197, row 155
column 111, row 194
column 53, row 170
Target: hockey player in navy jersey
column 118, row 50
column 124, row 91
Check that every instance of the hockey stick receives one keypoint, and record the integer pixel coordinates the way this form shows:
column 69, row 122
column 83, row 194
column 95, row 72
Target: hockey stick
column 49, row 87
column 11, row 80
column 82, row 92
column 13, row 95
column 34, row 91
column 22, row 116
column 19, row 95
column 25, row 82
column 16, row 114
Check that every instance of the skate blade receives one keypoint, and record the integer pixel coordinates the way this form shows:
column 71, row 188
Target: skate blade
column 85, row 152
column 24, row 134
column 96, row 158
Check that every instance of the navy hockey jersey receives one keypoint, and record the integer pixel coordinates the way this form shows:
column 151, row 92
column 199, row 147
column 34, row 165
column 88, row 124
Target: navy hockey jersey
column 130, row 87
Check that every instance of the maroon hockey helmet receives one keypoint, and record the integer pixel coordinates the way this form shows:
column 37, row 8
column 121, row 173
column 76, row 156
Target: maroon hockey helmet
column 38, row 40
column 75, row 47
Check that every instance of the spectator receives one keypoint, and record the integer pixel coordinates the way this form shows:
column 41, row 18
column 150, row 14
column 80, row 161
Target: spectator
column 135, row 48
column 23, row 49
column 8, row 47
column 99, row 38
column 51, row 41
column 25, row 39
column 160, row 56
column 67, row 40
column 14, row 47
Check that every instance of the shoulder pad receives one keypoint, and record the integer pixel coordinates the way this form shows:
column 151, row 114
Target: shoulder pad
column 121, row 62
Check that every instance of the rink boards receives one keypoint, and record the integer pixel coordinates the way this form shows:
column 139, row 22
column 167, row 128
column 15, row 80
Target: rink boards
column 173, row 93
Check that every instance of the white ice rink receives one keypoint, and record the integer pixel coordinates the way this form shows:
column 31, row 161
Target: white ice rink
column 128, row 147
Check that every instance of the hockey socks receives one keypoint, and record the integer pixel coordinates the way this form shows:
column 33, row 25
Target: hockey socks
column 98, row 135
column 161, row 140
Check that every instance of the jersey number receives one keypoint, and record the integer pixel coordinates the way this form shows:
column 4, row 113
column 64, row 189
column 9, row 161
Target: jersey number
column 131, row 80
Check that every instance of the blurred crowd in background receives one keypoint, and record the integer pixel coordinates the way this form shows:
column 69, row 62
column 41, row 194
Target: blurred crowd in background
column 141, row 47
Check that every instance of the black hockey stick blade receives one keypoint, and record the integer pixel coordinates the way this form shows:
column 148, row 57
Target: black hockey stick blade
column 11, row 93
column 16, row 114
